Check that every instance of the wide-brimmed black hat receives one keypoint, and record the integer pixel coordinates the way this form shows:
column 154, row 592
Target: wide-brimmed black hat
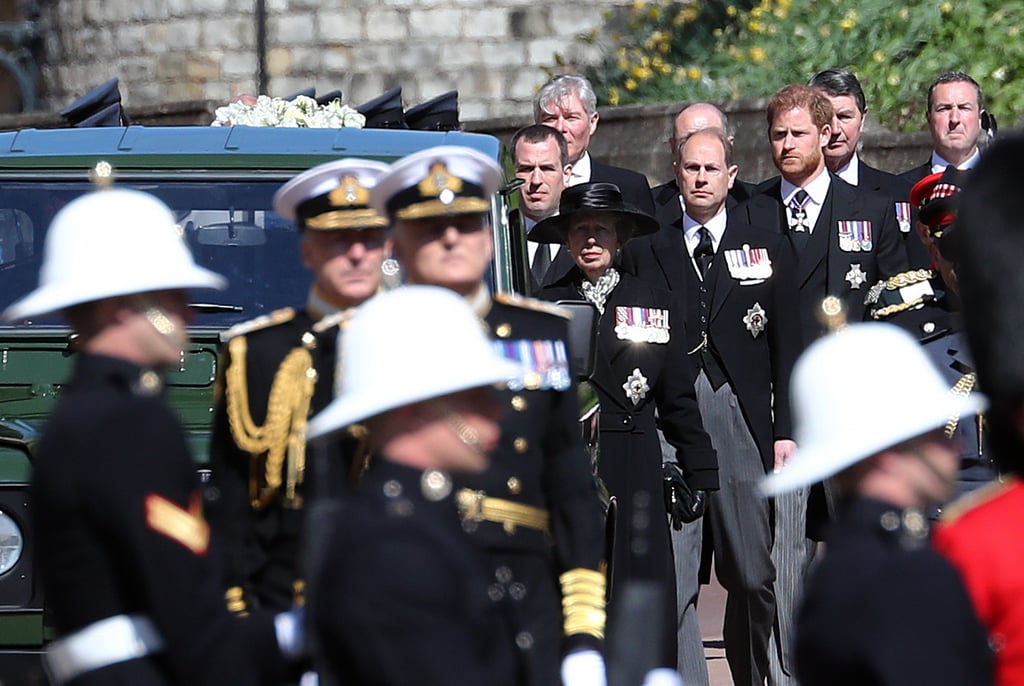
column 593, row 197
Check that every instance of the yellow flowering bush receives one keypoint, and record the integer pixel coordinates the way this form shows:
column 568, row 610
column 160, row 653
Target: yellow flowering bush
column 720, row 50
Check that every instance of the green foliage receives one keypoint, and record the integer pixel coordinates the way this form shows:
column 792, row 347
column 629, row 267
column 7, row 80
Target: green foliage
column 714, row 51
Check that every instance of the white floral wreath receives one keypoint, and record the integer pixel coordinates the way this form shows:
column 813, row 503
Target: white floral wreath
column 301, row 112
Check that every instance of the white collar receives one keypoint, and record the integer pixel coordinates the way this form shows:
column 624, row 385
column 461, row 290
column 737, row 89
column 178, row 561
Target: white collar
column 939, row 164
column 850, row 172
column 817, row 189
column 715, row 225
column 581, row 170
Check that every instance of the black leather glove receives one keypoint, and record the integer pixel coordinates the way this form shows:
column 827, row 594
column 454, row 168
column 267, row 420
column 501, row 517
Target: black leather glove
column 684, row 504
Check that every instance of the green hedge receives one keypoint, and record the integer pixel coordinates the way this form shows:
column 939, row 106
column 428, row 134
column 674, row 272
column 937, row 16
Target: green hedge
column 671, row 51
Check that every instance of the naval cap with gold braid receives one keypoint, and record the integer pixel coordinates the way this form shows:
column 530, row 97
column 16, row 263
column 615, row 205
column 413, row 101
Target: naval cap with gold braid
column 440, row 181
column 332, row 196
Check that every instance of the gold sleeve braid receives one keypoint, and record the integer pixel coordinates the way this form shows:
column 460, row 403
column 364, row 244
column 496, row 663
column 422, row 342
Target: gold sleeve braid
column 284, row 431
column 583, row 602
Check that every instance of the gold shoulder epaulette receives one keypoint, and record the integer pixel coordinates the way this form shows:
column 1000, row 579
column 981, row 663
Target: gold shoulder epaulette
column 908, row 278
column 262, row 322
column 887, row 297
column 968, row 501
column 531, row 304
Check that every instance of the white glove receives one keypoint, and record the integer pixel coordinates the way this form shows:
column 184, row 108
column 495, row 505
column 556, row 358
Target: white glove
column 584, row 668
column 663, row 676
column 291, row 633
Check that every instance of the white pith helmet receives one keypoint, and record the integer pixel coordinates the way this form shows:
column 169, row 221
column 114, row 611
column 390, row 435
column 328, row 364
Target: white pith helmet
column 405, row 346
column 857, row 392
column 109, row 243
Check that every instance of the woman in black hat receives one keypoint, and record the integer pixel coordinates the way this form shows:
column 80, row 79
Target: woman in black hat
column 642, row 371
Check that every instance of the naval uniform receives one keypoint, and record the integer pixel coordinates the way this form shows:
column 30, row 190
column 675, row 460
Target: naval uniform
column 882, row 607
column 535, row 511
column 406, row 597
column 635, row 376
column 917, row 302
column 257, row 453
column 121, row 536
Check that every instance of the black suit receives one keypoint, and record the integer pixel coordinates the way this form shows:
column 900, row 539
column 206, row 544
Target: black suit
column 630, row 461
column 635, row 189
column 757, row 369
column 898, row 188
column 823, row 267
column 406, row 598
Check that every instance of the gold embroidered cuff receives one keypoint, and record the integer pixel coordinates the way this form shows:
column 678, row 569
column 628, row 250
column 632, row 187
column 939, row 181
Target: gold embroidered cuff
column 583, row 602
column 236, row 601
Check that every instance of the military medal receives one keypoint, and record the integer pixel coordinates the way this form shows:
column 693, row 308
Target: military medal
column 903, row 216
column 748, row 264
column 544, row 363
column 642, row 324
column 855, row 236
column 755, row 320
column 856, row 276
column 636, row 387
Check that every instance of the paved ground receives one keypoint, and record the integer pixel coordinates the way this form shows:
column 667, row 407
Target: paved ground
column 709, row 613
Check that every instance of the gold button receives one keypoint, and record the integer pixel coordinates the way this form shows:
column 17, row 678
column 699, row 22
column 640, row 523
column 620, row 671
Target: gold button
column 513, row 485
column 503, row 330
column 518, row 403
column 520, row 445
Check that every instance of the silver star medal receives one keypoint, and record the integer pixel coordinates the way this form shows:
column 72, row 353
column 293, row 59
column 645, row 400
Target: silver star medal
column 856, row 276
column 756, row 319
column 636, row 386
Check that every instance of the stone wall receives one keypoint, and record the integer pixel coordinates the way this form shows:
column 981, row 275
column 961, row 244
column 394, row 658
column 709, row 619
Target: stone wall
column 493, row 51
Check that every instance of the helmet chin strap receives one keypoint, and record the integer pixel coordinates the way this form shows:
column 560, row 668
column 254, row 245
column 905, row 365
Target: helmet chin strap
column 161, row 323
column 946, row 481
column 467, row 434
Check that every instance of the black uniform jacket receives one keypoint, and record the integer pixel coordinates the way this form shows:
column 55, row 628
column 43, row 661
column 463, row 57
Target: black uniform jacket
column 262, row 544
column 119, row 530
column 540, row 463
column 661, row 378
column 824, row 268
column 405, row 596
column 635, row 189
column 883, row 608
column 757, row 366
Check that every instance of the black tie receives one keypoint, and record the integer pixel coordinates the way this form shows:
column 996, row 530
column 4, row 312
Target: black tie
column 704, row 253
column 800, row 231
column 541, row 262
